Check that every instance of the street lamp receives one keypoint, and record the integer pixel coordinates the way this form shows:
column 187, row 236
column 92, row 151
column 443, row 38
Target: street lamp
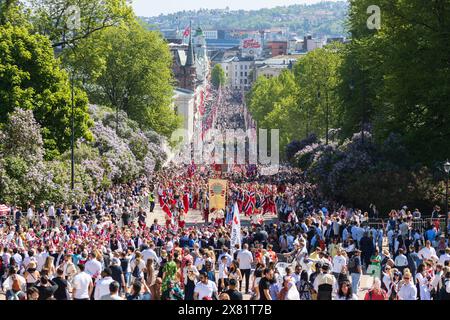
column 447, row 170
column 72, row 140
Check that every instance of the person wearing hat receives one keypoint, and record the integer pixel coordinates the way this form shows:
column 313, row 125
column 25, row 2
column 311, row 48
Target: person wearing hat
column 324, row 283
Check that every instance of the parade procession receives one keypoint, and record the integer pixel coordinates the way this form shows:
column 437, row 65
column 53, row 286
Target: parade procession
column 224, row 154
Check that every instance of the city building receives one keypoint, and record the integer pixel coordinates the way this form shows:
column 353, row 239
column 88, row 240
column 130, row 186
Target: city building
column 218, row 56
column 277, row 48
column 239, row 72
column 310, row 44
column 222, row 44
column 273, row 67
column 190, row 62
column 211, row 34
column 184, row 105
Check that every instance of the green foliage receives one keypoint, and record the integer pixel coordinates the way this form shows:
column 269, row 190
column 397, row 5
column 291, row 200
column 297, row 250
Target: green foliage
column 31, row 78
column 356, row 174
column 12, row 11
column 53, row 19
column 129, row 69
column 402, row 75
column 290, row 102
column 317, row 75
column 25, row 176
column 218, row 76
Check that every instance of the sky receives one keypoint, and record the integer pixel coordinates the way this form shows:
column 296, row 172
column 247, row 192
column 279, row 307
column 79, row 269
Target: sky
column 148, row 8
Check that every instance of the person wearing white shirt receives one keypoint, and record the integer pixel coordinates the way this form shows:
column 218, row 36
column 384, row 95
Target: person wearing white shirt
column 436, row 281
column 199, row 262
column 102, row 285
column 30, row 215
column 245, row 260
column 150, row 253
column 401, row 261
column 8, row 283
column 339, row 262
column 17, row 257
column 445, row 257
column 223, row 273
column 205, row 288
column 408, row 290
column 93, row 267
column 82, row 285
column 227, row 256
column 427, row 252
column 113, row 292
column 41, row 258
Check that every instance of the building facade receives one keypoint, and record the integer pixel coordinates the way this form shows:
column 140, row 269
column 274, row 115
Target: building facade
column 239, row 72
column 278, row 48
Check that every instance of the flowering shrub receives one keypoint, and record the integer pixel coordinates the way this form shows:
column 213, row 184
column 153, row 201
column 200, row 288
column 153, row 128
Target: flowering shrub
column 358, row 174
column 109, row 158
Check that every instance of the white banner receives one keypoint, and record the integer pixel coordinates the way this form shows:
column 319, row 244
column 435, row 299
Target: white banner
column 236, row 228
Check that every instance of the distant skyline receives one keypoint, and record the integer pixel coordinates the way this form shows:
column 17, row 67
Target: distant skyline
column 149, row 8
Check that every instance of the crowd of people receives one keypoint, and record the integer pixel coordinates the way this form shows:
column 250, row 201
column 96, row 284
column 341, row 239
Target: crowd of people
column 297, row 247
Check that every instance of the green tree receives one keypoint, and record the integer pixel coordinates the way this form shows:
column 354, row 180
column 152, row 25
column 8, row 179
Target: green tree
column 217, row 76
column 31, row 78
column 129, row 68
column 58, row 19
column 318, row 101
column 299, row 103
column 401, row 75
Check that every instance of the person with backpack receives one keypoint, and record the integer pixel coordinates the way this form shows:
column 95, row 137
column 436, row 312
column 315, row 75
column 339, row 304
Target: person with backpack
column 324, row 283
column 137, row 265
column 355, row 269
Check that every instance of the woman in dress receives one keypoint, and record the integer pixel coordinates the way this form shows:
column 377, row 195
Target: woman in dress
column 289, row 290
column 304, row 286
column 169, row 272
column 190, row 275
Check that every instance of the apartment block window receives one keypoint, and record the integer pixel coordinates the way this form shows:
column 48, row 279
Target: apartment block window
column 246, row 67
column 242, row 67
column 245, row 81
column 245, row 74
column 241, row 81
column 235, row 74
column 242, row 74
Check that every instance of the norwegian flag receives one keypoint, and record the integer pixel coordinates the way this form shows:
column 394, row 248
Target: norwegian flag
column 187, row 32
column 166, row 209
column 249, row 205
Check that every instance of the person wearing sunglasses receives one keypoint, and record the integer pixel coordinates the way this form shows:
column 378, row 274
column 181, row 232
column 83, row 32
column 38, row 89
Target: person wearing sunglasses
column 408, row 290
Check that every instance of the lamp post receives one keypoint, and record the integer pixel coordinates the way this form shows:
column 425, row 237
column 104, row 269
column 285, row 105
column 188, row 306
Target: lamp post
column 447, row 170
column 72, row 140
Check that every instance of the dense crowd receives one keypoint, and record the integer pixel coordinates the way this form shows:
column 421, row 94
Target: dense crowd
column 296, row 247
